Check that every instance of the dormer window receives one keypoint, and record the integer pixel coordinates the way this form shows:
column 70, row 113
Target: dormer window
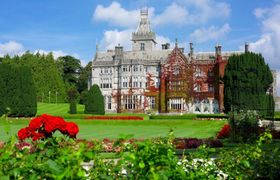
column 142, row 46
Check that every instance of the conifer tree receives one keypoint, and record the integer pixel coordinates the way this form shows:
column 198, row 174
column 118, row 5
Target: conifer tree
column 247, row 79
column 94, row 103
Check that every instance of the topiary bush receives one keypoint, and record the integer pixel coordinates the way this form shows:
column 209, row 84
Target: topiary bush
column 94, row 103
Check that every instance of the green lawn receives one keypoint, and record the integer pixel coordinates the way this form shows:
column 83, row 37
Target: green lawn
column 112, row 129
column 140, row 129
column 57, row 109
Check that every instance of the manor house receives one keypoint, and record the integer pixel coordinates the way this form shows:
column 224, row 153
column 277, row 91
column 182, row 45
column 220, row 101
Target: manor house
column 162, row 80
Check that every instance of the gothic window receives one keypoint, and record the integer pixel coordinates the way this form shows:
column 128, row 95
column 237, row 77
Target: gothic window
column 197, row 88
column 142, row 46
column 210, row 88
column 197, row 106
column 124, row 82
column 140, row 68
column 135, row 81
column 125, row 69
column 152, row 102
column 106, row 83
column 129, row 101
column 135, row 68
column 197, row 72
column 206, row 105
column 176, row 103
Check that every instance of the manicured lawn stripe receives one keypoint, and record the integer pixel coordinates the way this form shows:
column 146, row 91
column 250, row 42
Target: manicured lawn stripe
column 140, row 129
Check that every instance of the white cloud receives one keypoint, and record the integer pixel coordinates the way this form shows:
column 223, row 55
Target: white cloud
column 112, row 38
column 116, row 15
column 211, row 33
column 179, row 13
column 269, row 42
column 173, row 14
column 201, row 11
column 11, row 48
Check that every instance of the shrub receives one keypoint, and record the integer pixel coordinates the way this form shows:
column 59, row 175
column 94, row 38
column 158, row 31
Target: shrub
column 244, row 125
column 114, row 118
column 94, row 101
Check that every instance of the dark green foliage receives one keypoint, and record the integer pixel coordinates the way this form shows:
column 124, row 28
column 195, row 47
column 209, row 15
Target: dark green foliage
column 71, row 68
column 247, row 79
column 94, row 101
column 17, row 91
column 244, row 126
column 73, row 96
column 47, row 78
column 84, row 77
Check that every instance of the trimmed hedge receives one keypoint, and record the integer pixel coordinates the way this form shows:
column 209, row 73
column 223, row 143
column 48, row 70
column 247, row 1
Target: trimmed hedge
column 17, row 91
column 190, row 116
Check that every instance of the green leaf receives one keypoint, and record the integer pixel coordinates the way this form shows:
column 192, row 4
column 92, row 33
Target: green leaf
column 141, row 164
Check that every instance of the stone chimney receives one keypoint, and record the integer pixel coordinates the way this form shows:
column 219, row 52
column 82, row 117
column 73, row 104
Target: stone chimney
column 246, row 47
column 118, row 52
column 191, row 49
column 218, row 50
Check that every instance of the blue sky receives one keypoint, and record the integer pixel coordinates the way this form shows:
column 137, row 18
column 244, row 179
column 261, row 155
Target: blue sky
column 75, row 27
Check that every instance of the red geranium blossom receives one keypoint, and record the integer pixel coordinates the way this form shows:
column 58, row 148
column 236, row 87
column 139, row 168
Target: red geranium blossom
column 72, row 129
column 24, row 133
column 45, row 125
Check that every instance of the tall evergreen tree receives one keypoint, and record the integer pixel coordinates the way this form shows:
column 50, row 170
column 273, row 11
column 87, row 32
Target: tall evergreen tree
column 17, row 91
column 47, row 78
column 94, row 101
column 247, row 80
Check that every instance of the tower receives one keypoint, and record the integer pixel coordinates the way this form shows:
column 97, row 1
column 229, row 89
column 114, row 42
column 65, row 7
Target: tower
column 144, row 38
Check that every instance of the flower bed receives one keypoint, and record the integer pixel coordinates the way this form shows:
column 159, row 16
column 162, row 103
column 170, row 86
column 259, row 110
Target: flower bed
column 191, row 143
column 134, row 118
column 44, row 126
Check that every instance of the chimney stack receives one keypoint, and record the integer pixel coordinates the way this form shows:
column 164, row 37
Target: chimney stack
column 191, row 49
column 218, row 50
column 118, row 51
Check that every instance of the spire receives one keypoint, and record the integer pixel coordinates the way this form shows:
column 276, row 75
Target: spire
column 144, row 38
column 144, row 25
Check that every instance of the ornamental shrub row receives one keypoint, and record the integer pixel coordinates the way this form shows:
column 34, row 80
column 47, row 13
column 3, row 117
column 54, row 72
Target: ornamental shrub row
column 114, row 118
column 17, row 91
column 190, row 116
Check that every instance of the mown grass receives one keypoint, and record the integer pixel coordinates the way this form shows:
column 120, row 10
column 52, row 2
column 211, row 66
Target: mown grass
column 100, row 129
column 90, row 129
column 57, row 109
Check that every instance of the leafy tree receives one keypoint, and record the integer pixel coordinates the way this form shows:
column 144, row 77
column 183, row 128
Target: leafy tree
column 71, row 70
column 247, row 80
column 94, row 101
column 84, row 76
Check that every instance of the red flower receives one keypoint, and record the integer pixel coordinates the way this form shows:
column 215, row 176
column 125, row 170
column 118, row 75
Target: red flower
column 72, row 129
column 36, row 123
column 24, row 133
column 224, row 132
column 45, row 125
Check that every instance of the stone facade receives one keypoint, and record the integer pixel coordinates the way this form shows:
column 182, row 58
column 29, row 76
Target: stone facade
column 160, row 80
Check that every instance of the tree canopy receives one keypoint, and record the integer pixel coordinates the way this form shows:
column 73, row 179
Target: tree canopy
column 47, row 78
column 247, row 79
